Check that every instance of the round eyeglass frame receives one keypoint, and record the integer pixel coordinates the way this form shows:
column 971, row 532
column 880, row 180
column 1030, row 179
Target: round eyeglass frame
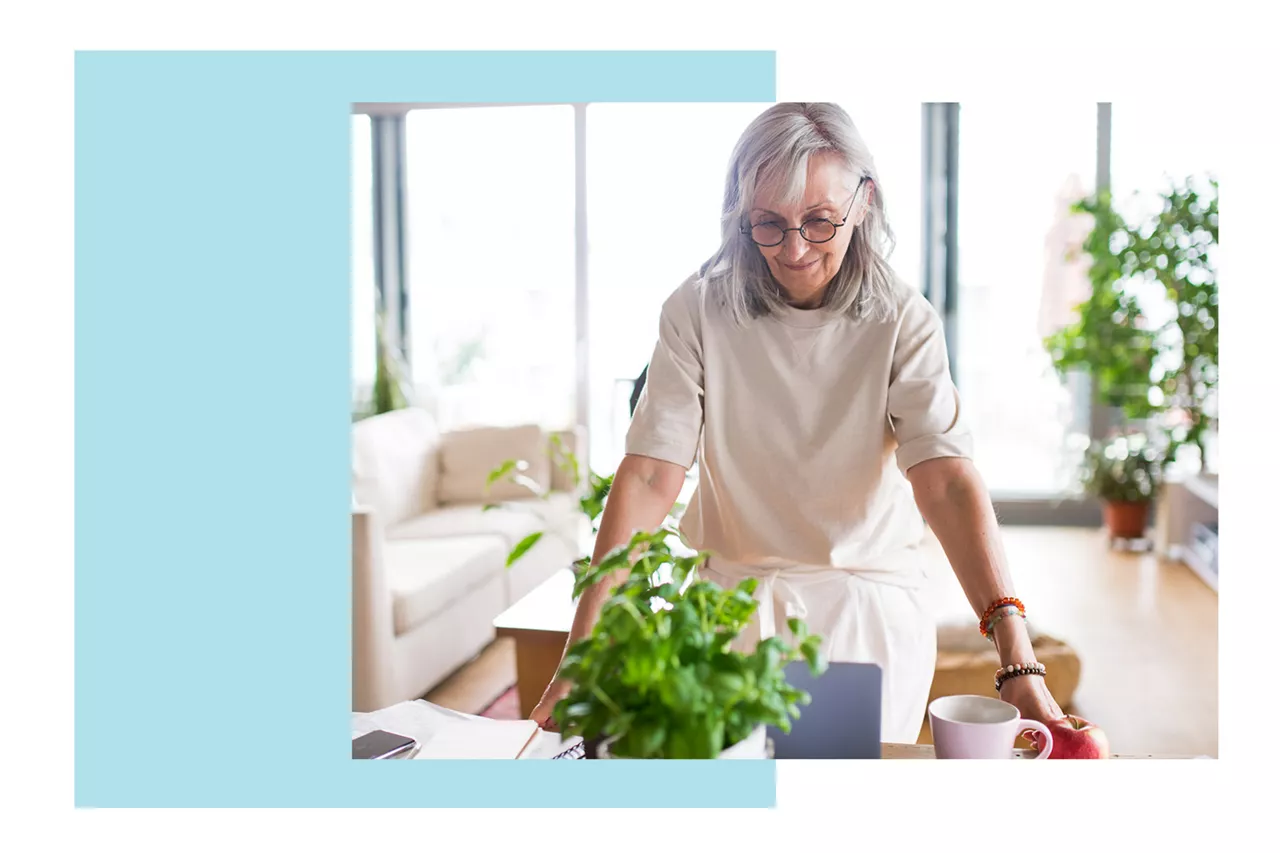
column 835, row 225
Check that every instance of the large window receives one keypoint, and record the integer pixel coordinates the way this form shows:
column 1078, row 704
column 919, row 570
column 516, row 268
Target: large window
column 490, row 240
column 1019, row 172
column 363, row 300
column 646, row 163
column 891, row 130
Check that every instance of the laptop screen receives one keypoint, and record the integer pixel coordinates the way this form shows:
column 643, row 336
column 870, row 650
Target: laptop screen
column 842, row 721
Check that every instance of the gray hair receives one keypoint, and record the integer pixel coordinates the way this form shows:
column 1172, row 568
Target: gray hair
column 776, row 147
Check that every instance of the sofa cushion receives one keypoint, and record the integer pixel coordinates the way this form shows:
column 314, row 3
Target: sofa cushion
column 512, row 521
column 468, row 456
column 395, row 464
column 426, row 576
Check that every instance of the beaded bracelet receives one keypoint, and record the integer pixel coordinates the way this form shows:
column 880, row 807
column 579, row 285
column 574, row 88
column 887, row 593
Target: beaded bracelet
column 998, row 617
column 1007, row 601
column 1014, row 670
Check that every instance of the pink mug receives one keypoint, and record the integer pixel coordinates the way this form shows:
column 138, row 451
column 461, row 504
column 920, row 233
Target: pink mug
column 979, row 727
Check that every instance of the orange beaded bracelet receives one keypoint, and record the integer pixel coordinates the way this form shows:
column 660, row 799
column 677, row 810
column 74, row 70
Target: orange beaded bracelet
column 1008, row 601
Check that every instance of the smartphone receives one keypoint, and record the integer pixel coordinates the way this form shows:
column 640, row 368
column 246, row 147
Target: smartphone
column 381, row 744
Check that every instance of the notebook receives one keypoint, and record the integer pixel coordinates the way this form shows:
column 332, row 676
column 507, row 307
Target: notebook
column 479, row 737
column 578, row 750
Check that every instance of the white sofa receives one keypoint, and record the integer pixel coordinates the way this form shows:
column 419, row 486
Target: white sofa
column 428, row 561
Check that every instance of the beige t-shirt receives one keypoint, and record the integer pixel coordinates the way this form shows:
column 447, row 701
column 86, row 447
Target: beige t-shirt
column 802, row 427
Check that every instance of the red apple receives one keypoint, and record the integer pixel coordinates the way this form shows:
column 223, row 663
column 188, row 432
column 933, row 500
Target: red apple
column 1073, row 737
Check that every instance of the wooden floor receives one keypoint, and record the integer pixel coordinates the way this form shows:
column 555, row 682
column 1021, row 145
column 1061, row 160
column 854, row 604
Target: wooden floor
column 1146, row 632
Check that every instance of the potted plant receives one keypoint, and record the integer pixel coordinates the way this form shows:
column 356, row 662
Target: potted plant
column 1124, row 473
column 657, row 677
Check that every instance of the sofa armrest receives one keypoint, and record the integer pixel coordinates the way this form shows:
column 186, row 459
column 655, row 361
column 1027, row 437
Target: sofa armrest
column 372, row 626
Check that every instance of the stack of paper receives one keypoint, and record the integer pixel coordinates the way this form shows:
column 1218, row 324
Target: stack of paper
column 444, row 733
column 479, row 737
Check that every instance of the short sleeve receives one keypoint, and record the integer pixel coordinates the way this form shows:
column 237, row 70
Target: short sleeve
column 667, row 423
column 924, row 405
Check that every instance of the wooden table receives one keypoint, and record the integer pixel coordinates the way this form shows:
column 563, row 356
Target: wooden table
column 539, row 625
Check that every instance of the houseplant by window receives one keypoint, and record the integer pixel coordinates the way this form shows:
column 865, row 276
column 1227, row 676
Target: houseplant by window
column 657, row 677
column 1124, row 473
column 391, row 387
column 1147, row 336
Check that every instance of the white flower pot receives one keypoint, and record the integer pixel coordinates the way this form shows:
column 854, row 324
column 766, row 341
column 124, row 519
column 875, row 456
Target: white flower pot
column 754, row 745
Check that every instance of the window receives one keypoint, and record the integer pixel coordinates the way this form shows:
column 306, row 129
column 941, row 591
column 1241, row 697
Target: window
column 363, row 299
column 891, row 130
column 490, row 240
column 1146, row 157
column 646, row 163
column 1150, row 146
column 1019, row 172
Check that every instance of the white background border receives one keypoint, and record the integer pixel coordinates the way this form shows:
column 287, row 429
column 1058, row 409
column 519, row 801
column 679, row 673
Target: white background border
column 1206, row 56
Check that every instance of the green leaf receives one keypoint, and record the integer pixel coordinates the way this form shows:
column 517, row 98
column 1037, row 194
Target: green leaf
column 815, row 658
column 729, row 682
column 501, row 471
column 522, row 547
column 648, row 737
column 578, row 709
column 488, row 507
column 668, row 591
column 709, row 740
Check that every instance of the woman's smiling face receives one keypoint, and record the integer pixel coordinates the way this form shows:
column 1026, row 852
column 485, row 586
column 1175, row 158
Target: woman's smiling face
column 801, row 268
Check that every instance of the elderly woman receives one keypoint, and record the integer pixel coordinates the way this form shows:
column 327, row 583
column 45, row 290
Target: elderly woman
column 812, row 387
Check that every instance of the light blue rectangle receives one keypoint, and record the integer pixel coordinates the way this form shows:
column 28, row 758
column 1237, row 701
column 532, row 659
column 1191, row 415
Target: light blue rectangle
column 212, row 312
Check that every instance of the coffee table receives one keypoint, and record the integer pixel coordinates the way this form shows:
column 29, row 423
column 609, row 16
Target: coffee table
column 539, row 625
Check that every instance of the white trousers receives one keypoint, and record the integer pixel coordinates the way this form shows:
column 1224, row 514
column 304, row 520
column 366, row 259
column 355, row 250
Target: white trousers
column 881, row 621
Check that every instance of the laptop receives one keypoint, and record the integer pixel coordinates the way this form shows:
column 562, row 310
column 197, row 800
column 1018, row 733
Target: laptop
column 842, row 721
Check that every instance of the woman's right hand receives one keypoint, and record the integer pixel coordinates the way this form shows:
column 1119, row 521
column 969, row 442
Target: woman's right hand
column 643, row 492
column 556, row 690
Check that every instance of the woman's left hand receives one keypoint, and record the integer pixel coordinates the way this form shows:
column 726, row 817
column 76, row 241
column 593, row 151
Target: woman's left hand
column 1030, row 695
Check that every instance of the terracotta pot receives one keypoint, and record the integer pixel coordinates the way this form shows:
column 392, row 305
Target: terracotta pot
column 1126, row 519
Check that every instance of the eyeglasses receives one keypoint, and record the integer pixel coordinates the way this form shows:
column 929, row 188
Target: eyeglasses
column 769, row 234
